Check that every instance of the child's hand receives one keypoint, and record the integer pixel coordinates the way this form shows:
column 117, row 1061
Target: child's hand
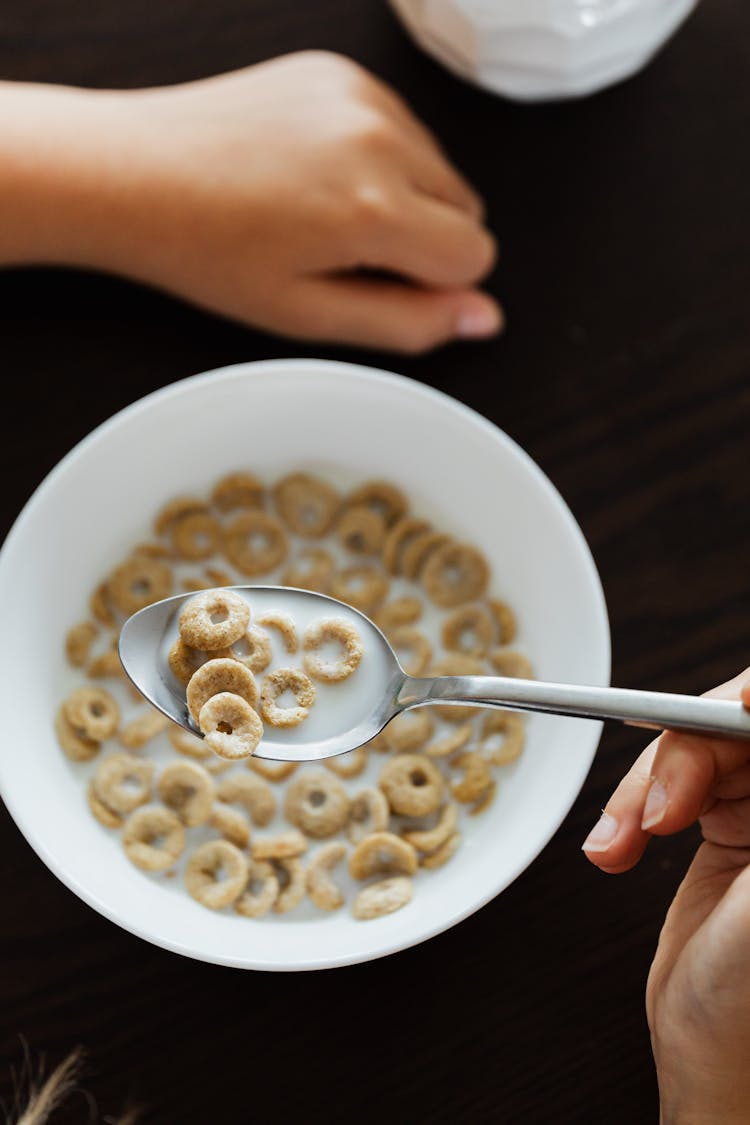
column 261, row 194
column 698, row 994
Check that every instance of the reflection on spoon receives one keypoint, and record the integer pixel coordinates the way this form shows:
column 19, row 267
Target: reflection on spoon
column 348, row 714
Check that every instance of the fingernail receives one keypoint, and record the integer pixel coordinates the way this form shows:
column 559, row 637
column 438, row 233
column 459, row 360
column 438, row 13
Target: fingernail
column 656, row 805
column 601, row 835
column 478, row 322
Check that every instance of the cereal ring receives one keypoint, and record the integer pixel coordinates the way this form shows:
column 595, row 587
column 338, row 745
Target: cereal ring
column 253, row 649
column 252, row 792
column 456, row 740
column 382, row 854
column 470, row 629
column 416, row 643
column 283, row 845
column 410, row 730
column 506, row 662
column 413, row 785
column 123, row 782
column 216, row 874
column 485, row 799
column 274, row 685
column 401, row 611
column 342, row 632
column 220, row 675
column 196, row 536
column 430, row 839
column 189, row 790
column 476, row 777
column 317, row 804
column 321, row 888
column 139, row 582
column 284, row 625
column 141, row 730
column 351, row 764
column 369, row 813
column 153, row 838
column 396, row 540
column 307, row 506
column 103, row 813
column 152, row 550
column 382, row 497
column 441, row 855
column 379, row 743
column 199, row 627
column 237, row 490
column 507, row 727
column 188, row 744
column 291, row 876
column 455, row 573
column 184, row 661
column 76, row 745
column 361, row 531
column 100, row 606
column 78, row 642
column 418, row 550
column 93, row 712
column 383, row 897
column 505, row 619
column 232, row 824
column 218, row 577
column 176, row 509
column 261, row 890
column 106, row 666
column 312, row 570
column 255, row 543
column 272, row 771
column 192, row 585
column 363, row 587
column 231, row 727
column 457, row 664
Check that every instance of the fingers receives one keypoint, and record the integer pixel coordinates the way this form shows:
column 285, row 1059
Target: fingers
column 433, row 175
column 618, row 841
column 385, row 314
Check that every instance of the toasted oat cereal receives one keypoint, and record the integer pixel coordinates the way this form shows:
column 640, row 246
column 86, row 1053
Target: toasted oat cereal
column 102, row 812
column 505, row 620
column 255, row 542
column 382, row 497
column 216, row 874
column 361, row 531
column 413, row 785
column 291, row 876
column 342, row 633
column 455, row 573
column 231, row 727
column 506, row 662
column 321, row 888
column 252, row 792
column 383, row 853
column 139, row 582
column 502, row 737
column 369, row 813
column 79, row 641
column 238, row 490
column 123, row 782
column 272, row 771
column 184, row 661
column 383, row 897
column 470, row 628
column 401, row 611
column 176, row 509
column 351, row 764
column 430, row 839
column 261, row 890
column 457, row 664
column 199, row 627
column 253, row 649
column 189, row 790
column 92, row 712
column 282, row 845
column 476, row 779
column 153, row 838
column 106, row 666
column 363, row 587
column 311, row 570
column 417, row 551
column 441, row 855
column 284, row 624
column 273, row 687
column 188, row 744
column 99, row 604
column 456, row 740
column 218, row 577
column 410, row 730
column 317, row 804
column 75, row 744
column 307, row 506
column 196, row 536
column 416, row 644
column 231, row 824
column 220, row 675
column 194, row 585
column 141, row 730
column 400, row 535
column 485, row 799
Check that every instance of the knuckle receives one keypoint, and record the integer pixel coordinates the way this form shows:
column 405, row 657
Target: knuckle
column 372, row 206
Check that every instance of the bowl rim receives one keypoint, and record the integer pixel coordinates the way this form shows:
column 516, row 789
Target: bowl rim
column 374, row 375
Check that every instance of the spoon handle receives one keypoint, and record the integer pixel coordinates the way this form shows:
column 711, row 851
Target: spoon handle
column 640, row 708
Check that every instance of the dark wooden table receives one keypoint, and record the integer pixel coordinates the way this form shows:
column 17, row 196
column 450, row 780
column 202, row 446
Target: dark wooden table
column 624, row 372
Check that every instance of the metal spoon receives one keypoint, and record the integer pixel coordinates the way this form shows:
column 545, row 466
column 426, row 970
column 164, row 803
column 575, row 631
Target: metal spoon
column 145, row 637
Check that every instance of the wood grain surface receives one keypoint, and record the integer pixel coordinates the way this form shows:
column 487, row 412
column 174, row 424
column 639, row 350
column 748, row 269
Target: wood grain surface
column 625, row 275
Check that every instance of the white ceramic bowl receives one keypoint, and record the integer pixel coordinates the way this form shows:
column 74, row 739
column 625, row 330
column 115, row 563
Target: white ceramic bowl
column 457, row 467
column 535, row 50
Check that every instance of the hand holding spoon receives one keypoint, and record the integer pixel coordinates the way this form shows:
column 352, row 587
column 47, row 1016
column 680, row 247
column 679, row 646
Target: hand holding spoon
column 357, row 710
